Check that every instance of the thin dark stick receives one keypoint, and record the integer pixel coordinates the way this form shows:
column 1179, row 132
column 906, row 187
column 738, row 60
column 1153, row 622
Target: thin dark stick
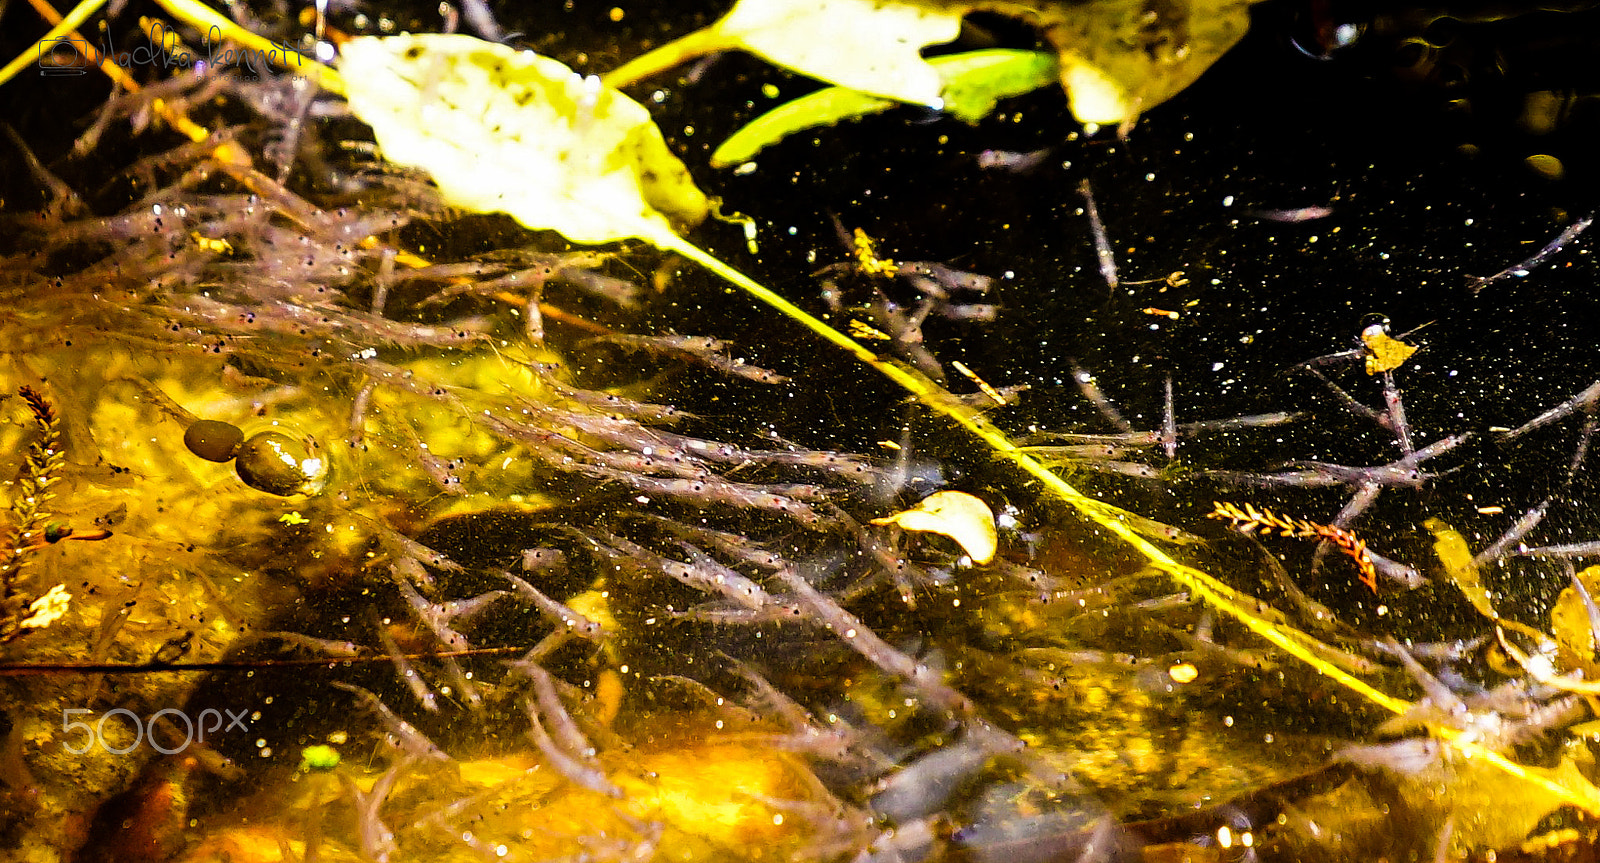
column 255, row 665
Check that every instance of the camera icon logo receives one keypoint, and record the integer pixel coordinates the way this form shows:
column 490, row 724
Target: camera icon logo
column 63, row 57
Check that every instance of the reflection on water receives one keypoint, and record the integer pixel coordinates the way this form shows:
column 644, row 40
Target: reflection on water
column 434, row 581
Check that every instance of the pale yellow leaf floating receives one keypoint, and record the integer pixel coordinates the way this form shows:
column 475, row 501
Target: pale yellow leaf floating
column 955, row 514
column 509, row 131
column 869, row 45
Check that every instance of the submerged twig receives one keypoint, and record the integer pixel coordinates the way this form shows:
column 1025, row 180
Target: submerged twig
column 1523, row 268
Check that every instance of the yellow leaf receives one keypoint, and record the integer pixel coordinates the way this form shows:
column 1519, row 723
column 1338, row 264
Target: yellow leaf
column 868, row 45
column 955, row 514
column 1384, row 352
column 510, row 131
column 1121, row 57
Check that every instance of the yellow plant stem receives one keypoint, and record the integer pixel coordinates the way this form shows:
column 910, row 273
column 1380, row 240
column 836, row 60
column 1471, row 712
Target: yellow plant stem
column 678, row 51
column 1586, row 799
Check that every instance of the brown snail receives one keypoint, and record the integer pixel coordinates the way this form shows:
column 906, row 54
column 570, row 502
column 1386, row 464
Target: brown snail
column 213, row 440
column 268, row 461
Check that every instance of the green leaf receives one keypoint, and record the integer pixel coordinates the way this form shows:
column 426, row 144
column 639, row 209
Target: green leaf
column 973, row 83
column 976, row 80
column 510, row 131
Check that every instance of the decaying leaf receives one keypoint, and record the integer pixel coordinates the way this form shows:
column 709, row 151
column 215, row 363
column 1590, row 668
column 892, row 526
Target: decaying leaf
column 1489, row 812
column 1122, row 57
column 510, row 131
column 973, row 83
column 955, row 514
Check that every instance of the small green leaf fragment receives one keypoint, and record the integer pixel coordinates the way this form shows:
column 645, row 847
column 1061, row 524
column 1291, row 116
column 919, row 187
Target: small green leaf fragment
column 975, row 81
column 318, row 757
column 825, row 107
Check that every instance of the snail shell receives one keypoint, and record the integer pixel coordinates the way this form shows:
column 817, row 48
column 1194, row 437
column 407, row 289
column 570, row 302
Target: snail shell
column 276, row 463
column 213, row 440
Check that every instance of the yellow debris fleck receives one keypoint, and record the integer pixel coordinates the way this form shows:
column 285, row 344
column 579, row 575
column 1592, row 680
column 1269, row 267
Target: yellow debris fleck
column 867, row 255
column 47, row 609
column 1384, row 352
column 221, row 247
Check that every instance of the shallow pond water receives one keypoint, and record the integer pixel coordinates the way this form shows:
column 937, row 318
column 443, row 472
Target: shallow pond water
column 594, row 589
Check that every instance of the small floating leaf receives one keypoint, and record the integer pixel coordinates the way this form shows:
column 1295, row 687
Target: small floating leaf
column 973, row 83
column 868, row 45
column 47, row 609
column 955, row 514
column 976, row 80
column 822, row 108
